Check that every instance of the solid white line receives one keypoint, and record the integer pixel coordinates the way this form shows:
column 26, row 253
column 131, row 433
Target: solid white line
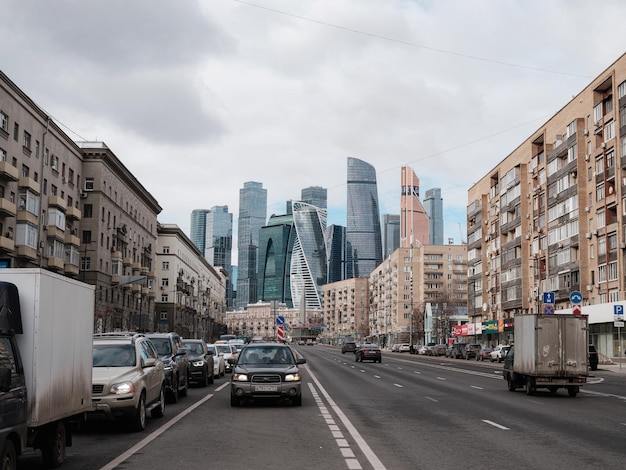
column 499, row 426
column 365, row 448
column 152, row 436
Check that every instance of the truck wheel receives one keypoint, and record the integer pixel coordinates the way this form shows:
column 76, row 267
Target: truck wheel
column 159, row 410
column 572, row 391
column 53, row 445
column 9, row 457
column 138, row 421
column 530, row 387
column 511, row 383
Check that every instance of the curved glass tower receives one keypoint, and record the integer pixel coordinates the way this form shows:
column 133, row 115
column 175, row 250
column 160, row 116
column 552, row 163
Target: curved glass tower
column 308, row 260
column 363, row 225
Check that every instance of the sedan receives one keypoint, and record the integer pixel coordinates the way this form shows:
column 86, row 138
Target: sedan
column 404, row 347
column 201, row 363
column 368, row 352
column 230, row 355
column 218, row 360
column 498, row 353
column 484, row 354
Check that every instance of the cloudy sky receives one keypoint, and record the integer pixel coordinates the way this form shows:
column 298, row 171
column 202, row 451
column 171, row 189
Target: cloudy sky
column 197, row 97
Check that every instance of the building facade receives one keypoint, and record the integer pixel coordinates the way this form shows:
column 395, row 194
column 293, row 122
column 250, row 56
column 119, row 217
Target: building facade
column 219, row 245
column 414, row 221
column 336, row 250
column 433, row 203
column 363, row 219
column 346, row 311
column 198, row 228
column 252, row 216
column 316, row 196
column 391, row 233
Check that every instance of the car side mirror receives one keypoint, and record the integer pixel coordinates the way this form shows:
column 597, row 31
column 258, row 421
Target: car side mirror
column 181, row 352
column 301, row 361
column 210, row 353
column 150, row 362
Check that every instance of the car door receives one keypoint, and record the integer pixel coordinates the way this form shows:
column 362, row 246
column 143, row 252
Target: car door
column 151, row 373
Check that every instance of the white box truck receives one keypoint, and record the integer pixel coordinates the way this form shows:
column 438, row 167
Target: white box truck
column 549, row 351
column 46, row 327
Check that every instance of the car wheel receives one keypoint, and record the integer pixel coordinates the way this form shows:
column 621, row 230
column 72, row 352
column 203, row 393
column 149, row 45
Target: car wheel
column 53, row 446
column 9, row 456
column 380, row 360
column 234, row 401
column 159, row 411
column 138, row 421
column 183, row 392
column 297, row 401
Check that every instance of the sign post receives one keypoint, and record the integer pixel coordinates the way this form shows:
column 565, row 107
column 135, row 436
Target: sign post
column 618, row 317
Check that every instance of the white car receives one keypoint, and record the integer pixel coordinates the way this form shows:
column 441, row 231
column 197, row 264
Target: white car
column 219, row 364
column 498, row 353
column 404, row 347
column 230, row 355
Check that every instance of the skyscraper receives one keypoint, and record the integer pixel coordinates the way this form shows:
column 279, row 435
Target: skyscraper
column 316, row 196
column 433, row 203
column 336, row 251
column 308, row 261
column 363, row 219
column 252, row 216
column 414, row 221
column 198, row 228
column 219, row 244
column 391, row 233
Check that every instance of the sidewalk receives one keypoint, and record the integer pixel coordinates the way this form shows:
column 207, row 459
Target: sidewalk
column 614, row 367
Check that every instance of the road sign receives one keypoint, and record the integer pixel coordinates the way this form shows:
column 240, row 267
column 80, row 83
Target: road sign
column 577, row 309
column 548, row 308
column 280, row 320
column 281, row 333
column 548, row 298
column 618, row 310
column 576, row 297
column 618, row 324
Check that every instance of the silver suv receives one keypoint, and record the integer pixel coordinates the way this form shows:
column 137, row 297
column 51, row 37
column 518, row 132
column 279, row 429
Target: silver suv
column 174, row 356
column 128, row 379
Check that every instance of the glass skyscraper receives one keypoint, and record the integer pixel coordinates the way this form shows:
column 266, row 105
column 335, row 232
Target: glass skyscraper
column 433, row 203
column 308, row 261
column 198, row 228
column 363, row 219
column 316, row 196
column 391, row 234
column 252, row 216
column 336, row 252
column 219, row 244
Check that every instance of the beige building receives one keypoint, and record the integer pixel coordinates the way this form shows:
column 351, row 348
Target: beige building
column 345, row 307
column 190, row 293
column 549, row 218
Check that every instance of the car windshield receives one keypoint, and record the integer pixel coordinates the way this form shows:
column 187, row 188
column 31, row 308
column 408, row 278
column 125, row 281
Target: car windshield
column 194, row 348
column 266, row 355
column 106, row 355
column 224, row 348
column 212, row 349
column 162, row 346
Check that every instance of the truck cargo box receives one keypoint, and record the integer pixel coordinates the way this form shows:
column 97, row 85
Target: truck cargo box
column 56, row 344
column 551, row 345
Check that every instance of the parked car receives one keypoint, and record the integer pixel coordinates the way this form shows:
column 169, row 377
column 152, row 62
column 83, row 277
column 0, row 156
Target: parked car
column 349, row 346
column 404, row 347
column 128, row 379
column 422, row 350
column 218, row 360
column 593, row 357
column 230, row 355
column 471, row 350
column 174, row 357
column 266, row 371
column 458, row 350
column 484, row 354
column 439, row 350
column 498, row 353
column 368, row 352
column 201, row 363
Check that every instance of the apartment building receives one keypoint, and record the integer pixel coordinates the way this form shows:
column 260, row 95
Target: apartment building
column 345, row 307
column 549, row 218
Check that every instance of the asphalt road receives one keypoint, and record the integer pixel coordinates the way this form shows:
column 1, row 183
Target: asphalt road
column 410, row 412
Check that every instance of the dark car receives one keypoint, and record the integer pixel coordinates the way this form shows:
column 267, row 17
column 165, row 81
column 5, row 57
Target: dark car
column 266, row 371
column 457, row 350
column 484, row 354
column 471, row 350
column 368, row 352
column 593, row 357
column 350, row 346
column 201, row 362
column 174, row 357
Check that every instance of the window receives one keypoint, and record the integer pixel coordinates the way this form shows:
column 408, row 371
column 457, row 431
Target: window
column 28, row 201
column 3, row 155
column 55, row 163
column 56, row 218
column 609, row 131
column 4, row 121
column 165, row 266
column 89, row 184
column 621, row 89
column 26, row 140
column 88, row 211
column 166, row 250
column 16, row 131
column 86, row 236
column 165, row 282
column 597, row 112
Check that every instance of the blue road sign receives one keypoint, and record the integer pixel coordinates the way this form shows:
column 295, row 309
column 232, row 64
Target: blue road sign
column 280, row 320
column 548, row 297
column 576, row 297
column 548, row 308
column 618, row 309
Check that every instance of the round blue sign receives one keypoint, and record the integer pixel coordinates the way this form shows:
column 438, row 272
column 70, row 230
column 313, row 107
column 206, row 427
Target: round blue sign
column 280, row 320
column 575, row 297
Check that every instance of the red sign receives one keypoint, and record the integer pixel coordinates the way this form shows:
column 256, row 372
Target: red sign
column 577, row 309
column 281, row 333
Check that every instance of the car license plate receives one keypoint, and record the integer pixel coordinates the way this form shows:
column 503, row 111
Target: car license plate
column 265, row 388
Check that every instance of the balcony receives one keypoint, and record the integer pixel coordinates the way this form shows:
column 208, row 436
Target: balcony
column 24, row 251
column 71, row 270
column 71, row 239
column 7, row 208
column 127, row 261
column 8, row 172
column 56, row 201
column 26, row 216
column 52, row 231
column 56, row 263
column 27, row 182
column 7, row 244
column 73, row 213
column 116, row 255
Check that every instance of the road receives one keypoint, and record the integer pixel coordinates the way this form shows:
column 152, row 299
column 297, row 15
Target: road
column 407, row 412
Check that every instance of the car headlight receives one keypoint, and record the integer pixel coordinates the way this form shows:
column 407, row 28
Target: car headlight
column 292, row 377
column 168, row 368
column 197, row 363
column 123, row 388
column 240, row 377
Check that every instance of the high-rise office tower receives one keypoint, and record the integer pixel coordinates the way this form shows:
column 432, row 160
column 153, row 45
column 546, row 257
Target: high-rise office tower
column 276, row 241
column 433, row 203
column 308, row 260
column 336, row 251
column 363, row 220
column 252, row 216
column 391, row 234
column 198, row 228
column 219, row 244
column 414, row 221
column 316, row 196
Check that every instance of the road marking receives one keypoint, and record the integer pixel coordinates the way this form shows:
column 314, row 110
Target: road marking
column 399, row 386
column 377, row 376
column 499, row 426
column 476, row 387
column 432, row 399
column 441, row 378
column 416, row 372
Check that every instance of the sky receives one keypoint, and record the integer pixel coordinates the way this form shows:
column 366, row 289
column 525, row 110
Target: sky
column 197, row 97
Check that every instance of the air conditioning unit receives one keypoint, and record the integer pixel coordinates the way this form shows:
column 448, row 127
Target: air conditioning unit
column 587, row 157
column 588, row 236
column 586, row 132
column 623, row 246
column 83, row 194
column 589, row 287
column 560, row 245
column 603, row 145
column 597, row 285
column 9, row 235
column 64, row 179
column 587, row 209
column 594, row 232
column 527, row 237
